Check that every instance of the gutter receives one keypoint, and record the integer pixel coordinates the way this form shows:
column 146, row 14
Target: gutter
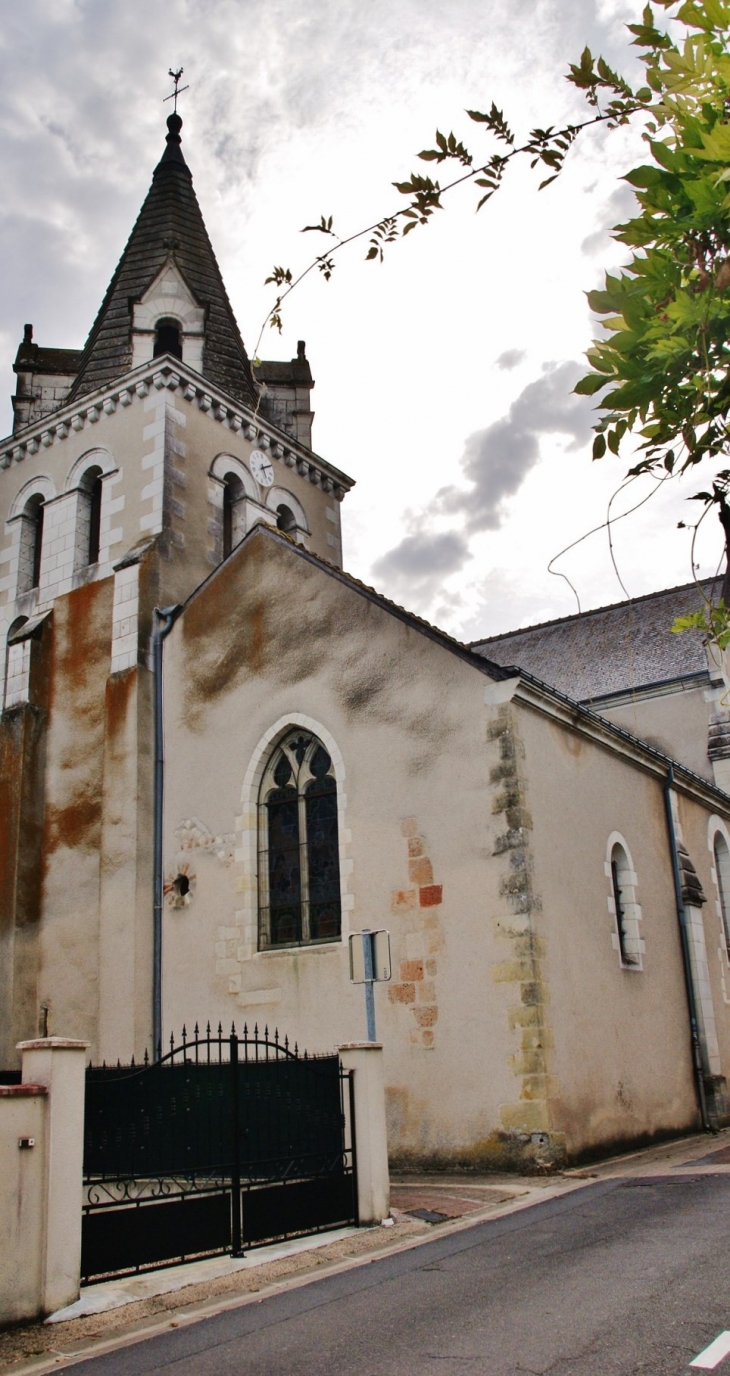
column 686, row 961
column 164, row 619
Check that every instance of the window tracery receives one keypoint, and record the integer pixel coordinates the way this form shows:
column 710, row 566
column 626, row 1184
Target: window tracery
column 299, row 868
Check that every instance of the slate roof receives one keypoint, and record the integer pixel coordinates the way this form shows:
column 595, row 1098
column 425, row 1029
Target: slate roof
column 628, row 645
column 170, row 223
column 32, row 358
column 293, row 373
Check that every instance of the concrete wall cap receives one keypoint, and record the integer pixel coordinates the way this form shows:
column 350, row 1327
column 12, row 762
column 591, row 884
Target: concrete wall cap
column 53, row 1044
column 21, row 1091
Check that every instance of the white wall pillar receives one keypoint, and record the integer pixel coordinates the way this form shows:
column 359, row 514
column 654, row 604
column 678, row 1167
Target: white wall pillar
column 23, row 1120
column 373, row 1179
column 60, row 1065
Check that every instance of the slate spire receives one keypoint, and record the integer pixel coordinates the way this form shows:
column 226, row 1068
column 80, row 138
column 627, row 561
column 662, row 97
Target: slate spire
column 169, row 226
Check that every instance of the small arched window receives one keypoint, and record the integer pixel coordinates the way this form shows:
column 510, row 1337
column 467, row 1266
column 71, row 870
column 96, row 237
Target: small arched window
column 31, row 543
column 299, row 861
column 168, row 338
column 90, row 516
column 722, row 870
column 625, row 908
column 285, row 519
column 17, row 665
column 232, row 494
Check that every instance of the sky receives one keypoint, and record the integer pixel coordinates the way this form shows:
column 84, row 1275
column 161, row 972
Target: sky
column 444, row 375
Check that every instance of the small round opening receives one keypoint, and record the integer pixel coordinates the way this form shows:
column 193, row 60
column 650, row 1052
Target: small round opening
column 182, row 885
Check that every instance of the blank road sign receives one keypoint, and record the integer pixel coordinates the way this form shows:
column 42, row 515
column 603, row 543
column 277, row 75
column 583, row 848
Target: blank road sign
column 380, row 947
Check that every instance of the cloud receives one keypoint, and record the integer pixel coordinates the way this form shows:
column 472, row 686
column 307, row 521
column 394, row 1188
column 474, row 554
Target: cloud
column 619, row 207
column 416, row 567
column 496, row 460
column 511, row 358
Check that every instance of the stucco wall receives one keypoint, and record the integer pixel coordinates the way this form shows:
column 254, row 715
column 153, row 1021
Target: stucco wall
column 621, row 1053
column 676, row 723
column 508, row 1016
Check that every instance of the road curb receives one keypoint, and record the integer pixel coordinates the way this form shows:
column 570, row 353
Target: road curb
column 207, row 1309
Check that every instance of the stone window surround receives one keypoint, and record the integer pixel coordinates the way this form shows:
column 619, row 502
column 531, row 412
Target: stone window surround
column 632, row 907
column 717, row 827
column 93, row 458
column 249, row 509
column 266, row 783
column 18, row 651
column 168, row 298
column 40, row 486
column 246, row 852
column 54, row 502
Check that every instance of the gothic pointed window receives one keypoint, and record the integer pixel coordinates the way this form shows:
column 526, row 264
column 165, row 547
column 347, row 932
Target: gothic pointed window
column 168, row 339
column 299, row 863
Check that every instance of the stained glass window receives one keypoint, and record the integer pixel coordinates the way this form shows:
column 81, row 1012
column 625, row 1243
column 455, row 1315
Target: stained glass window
column 299, row 863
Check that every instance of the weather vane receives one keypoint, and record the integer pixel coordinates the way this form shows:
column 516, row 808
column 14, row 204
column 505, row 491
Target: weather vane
column 178, row 88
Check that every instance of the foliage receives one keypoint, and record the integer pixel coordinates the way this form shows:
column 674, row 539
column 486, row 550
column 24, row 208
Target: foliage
column 665, row 361
column 545, row 149
column 713, row 620
column 663, row 365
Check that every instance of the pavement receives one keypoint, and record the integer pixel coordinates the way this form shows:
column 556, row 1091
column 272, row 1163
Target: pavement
column 497, row 1233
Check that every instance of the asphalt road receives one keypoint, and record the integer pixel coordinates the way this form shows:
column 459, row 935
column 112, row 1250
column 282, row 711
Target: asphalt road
column 626, row 1276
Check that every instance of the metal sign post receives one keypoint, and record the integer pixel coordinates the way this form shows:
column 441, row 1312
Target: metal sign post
column 369, row 964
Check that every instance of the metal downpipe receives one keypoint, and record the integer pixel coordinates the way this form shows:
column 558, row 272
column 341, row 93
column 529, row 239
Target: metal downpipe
column 686, row 959
column 162, row 625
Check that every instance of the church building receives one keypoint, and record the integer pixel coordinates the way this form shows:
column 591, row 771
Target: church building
column 221, row 754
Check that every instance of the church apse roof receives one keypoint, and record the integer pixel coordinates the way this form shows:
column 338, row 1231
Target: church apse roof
column 628, row 645
column 170, row 225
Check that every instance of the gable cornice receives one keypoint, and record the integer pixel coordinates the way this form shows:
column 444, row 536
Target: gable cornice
column 171, row 374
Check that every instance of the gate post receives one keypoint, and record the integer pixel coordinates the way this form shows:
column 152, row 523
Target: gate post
column 60, row 1065
column 373, row 1180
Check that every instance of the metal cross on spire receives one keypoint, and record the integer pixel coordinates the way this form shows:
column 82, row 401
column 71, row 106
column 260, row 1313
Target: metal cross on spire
column 178, row 88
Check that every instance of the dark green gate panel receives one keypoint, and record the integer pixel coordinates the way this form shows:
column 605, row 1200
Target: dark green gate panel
column 225, row 1142
column 130, row 1236
column 275, row 1211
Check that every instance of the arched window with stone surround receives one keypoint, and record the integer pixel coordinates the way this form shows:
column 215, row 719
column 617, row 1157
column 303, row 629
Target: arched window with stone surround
column 31, row 543
column 624, row 905
column 17, row 665
column 89, row 517
column 233, row 492
column 299, row 863
column 285, row 518
column 721, row 853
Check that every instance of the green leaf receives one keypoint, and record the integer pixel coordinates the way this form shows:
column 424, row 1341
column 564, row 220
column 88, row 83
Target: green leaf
column 590, row 384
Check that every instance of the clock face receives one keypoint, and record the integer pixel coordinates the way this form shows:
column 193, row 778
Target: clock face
column 261, row 468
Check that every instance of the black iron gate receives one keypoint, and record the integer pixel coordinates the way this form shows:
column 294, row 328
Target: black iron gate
column 223, row 1143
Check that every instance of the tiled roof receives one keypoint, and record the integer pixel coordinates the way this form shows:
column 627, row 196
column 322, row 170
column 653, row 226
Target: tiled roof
column 170, row 223
column 627, row 645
